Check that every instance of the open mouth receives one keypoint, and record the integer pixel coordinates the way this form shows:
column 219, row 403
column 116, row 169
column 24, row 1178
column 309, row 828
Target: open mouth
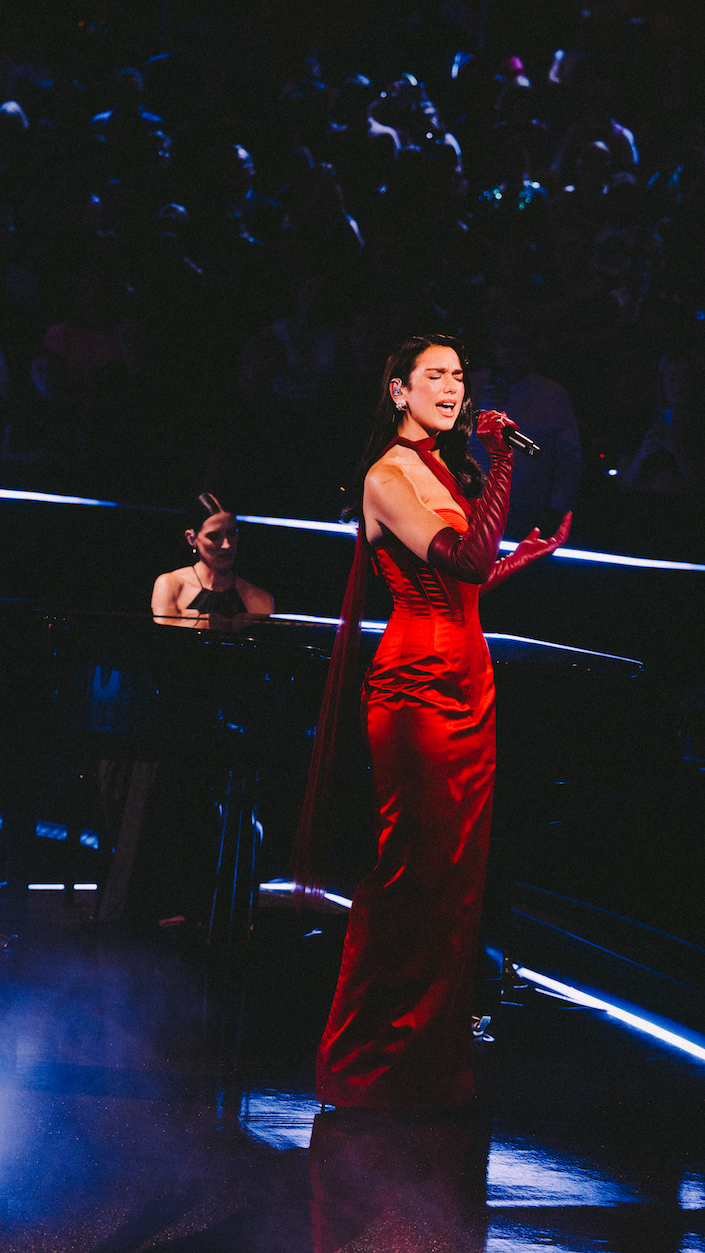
column 446, row 406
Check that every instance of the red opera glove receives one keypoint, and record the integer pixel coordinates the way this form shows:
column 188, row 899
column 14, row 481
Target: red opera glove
column 471, row 556
column 533, row 548
column 489, row 427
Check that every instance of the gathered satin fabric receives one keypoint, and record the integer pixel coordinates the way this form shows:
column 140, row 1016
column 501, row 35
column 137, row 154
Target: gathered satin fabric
column 399, row 1030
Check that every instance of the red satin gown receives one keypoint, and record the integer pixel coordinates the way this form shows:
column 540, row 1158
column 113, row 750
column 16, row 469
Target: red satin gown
column 399, row 1030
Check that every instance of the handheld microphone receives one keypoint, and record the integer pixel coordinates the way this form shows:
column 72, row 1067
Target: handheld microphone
column 514, row 438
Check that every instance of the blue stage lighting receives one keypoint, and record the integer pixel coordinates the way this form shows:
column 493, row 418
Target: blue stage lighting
column 570, row 554
column 632, row 1019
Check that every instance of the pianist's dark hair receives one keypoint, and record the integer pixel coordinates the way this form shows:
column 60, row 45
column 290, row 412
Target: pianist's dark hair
column 203, row 508
column 453, row 444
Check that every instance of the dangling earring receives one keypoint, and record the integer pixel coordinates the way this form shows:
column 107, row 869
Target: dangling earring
column 402, row 406
column 194, row 551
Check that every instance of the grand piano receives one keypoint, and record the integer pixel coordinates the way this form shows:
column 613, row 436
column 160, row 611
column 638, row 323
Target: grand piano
column 585, row 740
column 88, row 693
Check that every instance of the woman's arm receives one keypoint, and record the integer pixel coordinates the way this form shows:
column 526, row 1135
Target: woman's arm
column 164, row 594
column 471, row 556
column 392, row 501
column 164, row 607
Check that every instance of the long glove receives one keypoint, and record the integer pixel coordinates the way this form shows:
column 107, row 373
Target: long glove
column 533, row 548
column 470, row 557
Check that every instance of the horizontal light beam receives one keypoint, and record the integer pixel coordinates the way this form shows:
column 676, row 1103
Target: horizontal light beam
column 301, row 524
column 7, row 493
column 51, row 498
column 367, row 624
column 568, row 648
column 350, row 528
column 61, row 887
column 615, row 1011
column 285, row 885
column 508, row 546
column 377, row 628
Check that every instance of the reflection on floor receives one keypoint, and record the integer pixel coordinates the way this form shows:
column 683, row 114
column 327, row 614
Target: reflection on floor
column 120, row 1133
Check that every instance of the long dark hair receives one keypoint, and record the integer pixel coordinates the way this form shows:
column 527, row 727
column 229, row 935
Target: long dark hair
column 452, row 444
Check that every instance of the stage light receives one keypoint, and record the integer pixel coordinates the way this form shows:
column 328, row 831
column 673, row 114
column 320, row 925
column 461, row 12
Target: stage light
column 508, row 546
column 367, row 624
column 377, row 628
column 285, row 885
column 46, row 887
column 8, row 493
column 51, row 498
column 615, row 1011
column 569, row 648
column 302, row 524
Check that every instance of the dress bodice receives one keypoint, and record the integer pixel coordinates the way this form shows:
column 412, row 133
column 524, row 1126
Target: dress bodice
column 418, row 588
column 433, row 647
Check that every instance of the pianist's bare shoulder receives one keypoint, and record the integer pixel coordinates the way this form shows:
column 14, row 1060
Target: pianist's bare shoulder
column 172, row 592
column 255, row 599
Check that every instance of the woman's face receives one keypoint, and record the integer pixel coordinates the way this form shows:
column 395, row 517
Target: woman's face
column 434, row 393
column 216, row 542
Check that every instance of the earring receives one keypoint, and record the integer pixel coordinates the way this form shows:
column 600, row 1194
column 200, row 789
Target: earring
column 401, row 406
column 194, row 551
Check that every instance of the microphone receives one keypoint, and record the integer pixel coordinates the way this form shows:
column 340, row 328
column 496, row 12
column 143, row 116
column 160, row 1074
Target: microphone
column 513, row 438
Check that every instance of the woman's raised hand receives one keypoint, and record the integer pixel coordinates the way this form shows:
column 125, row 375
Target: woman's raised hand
column 530, row 549
column 533, row 547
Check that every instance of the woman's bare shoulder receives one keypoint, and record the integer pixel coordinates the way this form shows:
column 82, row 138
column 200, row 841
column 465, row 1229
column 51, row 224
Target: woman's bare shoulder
column 385, row 471
column 174, row 579
column 255, row 599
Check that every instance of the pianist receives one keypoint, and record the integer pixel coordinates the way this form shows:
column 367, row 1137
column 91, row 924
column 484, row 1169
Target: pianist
column 208, row 593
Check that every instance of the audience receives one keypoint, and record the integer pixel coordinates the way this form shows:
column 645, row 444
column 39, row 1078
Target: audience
column 243, row 222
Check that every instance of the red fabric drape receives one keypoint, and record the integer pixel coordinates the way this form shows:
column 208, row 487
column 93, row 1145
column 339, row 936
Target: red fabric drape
column 310, row 855
column 309, row 859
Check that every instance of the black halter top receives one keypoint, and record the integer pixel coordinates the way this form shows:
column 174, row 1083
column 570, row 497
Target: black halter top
column 226, row 603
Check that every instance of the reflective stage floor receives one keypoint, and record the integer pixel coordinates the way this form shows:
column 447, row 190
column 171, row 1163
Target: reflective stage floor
column 121, row 1132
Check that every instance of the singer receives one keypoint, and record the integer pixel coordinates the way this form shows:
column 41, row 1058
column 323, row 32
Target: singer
column 399, row 1030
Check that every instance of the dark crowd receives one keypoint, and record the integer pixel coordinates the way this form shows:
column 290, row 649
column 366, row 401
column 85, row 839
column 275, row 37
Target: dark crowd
column 217, row 220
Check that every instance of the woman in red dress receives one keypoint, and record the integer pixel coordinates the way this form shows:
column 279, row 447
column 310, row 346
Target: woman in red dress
column 399, row 1031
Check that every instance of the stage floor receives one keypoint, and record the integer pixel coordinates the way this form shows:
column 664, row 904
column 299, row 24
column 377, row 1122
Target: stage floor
column 120, row 1132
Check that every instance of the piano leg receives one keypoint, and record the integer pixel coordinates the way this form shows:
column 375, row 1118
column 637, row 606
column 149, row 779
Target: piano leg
column 134, row 780
column 230, row 927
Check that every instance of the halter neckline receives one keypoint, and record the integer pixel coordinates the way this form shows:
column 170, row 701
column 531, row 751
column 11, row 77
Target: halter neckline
column 424, row 448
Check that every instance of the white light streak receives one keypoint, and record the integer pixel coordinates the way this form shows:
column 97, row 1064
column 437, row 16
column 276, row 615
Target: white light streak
column 569, row 648
column 8, row 493
column 615, row 1011
column 367, row 624
column 301, row 524
column 46, row 887
column 285, row 885
column 85, row 887
column 615, row 559
column 378, row 627
column 507, row 546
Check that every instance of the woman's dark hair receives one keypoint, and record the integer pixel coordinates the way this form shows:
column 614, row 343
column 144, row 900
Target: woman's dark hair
column 203, row 508
column 452, row 444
